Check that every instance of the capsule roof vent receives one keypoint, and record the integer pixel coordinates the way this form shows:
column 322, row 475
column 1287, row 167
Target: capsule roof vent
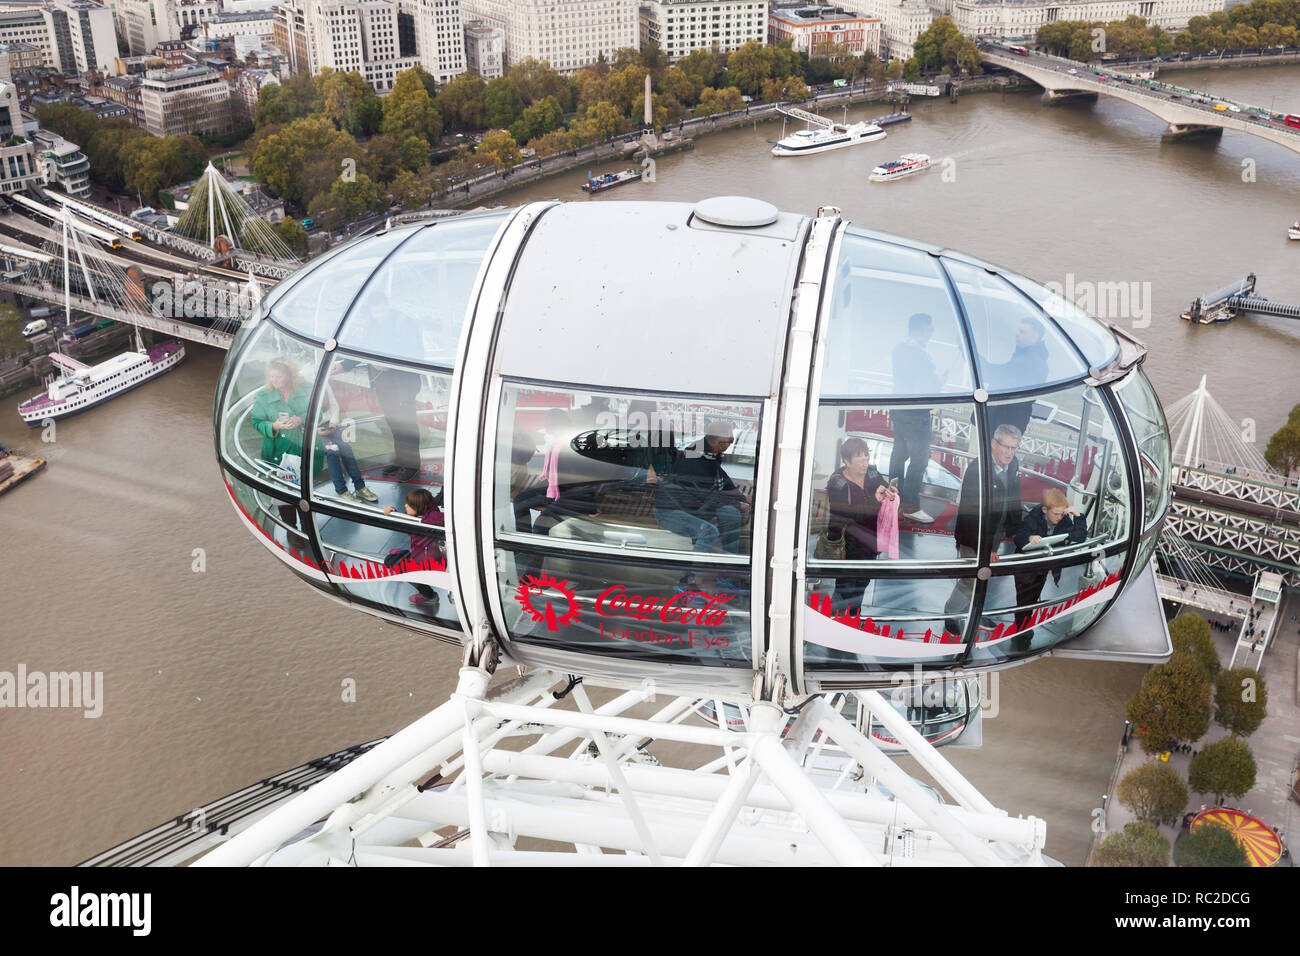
column 742, row 212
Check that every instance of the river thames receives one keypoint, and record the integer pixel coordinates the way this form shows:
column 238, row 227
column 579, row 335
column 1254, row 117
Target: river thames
column 220, row 669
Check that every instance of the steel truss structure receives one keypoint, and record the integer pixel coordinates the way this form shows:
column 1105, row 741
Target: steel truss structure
column 459, row 787
column 1240, row 488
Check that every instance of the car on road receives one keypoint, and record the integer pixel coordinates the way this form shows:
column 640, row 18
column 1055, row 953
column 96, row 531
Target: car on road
column 1234, row 109
column 1072, row 70
column 1220, row 108
column 34, row 327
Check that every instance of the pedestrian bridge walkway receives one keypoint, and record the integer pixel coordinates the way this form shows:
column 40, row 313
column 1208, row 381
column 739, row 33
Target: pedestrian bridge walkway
column 168, row 326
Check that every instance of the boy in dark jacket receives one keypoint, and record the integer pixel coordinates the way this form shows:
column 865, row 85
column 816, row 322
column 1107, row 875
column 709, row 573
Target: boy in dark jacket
column 1054, row 516
column 698, row 500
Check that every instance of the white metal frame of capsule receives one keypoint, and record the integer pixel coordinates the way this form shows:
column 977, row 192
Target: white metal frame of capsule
column 754, row 797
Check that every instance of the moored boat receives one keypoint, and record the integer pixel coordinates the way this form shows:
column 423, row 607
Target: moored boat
column 83, row 386
column 835, row 136
column 1293, row 232
column 596, row 184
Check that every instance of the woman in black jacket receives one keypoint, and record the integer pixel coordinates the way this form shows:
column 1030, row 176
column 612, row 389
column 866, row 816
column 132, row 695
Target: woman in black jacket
column 853, row 495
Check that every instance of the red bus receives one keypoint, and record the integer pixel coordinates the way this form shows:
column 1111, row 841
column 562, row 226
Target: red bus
column 1292, row 120
column 1019, row 50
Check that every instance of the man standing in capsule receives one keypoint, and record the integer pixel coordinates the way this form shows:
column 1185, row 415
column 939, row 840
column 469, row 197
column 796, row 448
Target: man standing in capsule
column 914, row 374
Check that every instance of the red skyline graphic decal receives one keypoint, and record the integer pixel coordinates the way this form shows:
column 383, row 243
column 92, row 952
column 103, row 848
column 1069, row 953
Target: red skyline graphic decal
column 368, row 571
column 821, row 603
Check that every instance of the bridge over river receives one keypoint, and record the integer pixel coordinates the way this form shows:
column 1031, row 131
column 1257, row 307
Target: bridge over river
column 1188, row 112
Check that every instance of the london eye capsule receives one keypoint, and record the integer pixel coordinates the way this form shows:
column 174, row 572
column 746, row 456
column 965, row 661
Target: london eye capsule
column 695, row 444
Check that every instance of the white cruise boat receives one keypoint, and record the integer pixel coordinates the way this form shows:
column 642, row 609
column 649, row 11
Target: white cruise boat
column 85, row 386
column 808, row 141
column 907, row 165
column 1293, row 232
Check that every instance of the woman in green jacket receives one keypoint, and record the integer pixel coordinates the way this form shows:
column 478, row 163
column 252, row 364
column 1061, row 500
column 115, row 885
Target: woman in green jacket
column 278, row 413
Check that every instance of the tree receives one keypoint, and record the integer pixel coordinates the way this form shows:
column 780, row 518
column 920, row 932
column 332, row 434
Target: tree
column 408, row 111
column 283, row 157
column 293, row 234
column 348, row 102
column 1209, row 845
column 354, row 198
column 941, row 45
column 1172, row 704
column 1225, row 768
column 415, row 153
column 535, row 81
column 675, row 83
column 11, row 330
column 1190, row 634
column 541, row 118
column 605, row 121
column 500, row 147
column 894, row 70
column 1240, row 701
column 703, row 66
column 502, row 103
column 1283, row 450
column 383, row 159
column 552, row 143
column 1138, row 844
column 460, row 102
column 911, row 70
column 411, row 190
column 749, row 65
column 1154, row 792
column 719, row 101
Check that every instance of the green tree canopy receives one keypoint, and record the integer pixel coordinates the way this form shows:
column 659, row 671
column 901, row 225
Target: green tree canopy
column 1138, row 844
column 502, row 102
column 1209, row 845
column 542, row 117
column 355, row 198
column 408, row 111
column 1283, row 450
column 282, row 157
column 292, row 234
column 1190, row 634
column 1240, row 700
column 1172, row 704
column 500, row 148
column 719, row 101
column 11, row 330
column 1154, row 792
column 535, row 81
column 348, row 102
column 1225, row 768
column 461, row 102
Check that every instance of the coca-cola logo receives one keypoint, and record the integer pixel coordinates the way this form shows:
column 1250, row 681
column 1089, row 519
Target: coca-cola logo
column 555, row 603
column 691, row 608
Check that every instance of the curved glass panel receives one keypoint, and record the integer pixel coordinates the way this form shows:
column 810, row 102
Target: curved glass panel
column 266, row 408
column 1036, row 608
column 381, row 431
column 1094, row 340
column 1072, row 492
column 623, row 609
column 279, row 525
column 604, row 472
column 1147, row 420
column 414, row 306
column 887, row 484
column 404, row 572
column 1017, row 348
column 893, row 329
column 318, row 300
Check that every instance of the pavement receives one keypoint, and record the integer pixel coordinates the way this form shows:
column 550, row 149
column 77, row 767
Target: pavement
column 1276, row 745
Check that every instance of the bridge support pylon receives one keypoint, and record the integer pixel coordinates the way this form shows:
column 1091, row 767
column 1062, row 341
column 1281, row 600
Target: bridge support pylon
column 1058, row 97
column 1179, row 131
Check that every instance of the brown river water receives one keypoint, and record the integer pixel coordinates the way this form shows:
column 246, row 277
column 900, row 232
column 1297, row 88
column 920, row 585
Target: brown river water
column 214, row 679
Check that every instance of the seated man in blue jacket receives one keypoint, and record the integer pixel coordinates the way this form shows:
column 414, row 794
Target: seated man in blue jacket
column 1054, row 516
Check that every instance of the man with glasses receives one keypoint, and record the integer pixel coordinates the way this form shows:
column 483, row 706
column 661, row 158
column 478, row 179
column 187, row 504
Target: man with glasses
column 1003, row 514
